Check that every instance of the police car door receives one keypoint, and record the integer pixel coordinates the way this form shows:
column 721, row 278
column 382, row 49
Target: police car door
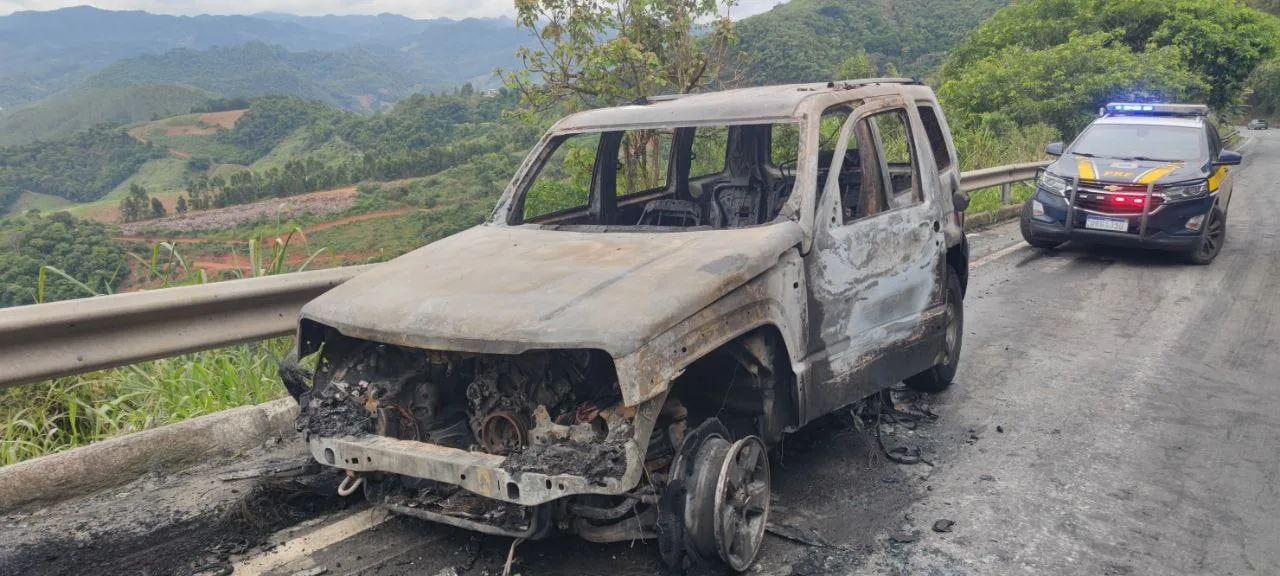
column 1220, row 178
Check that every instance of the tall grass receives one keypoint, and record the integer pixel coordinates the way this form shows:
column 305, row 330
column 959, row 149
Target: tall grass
column 984, row 147
column 46, row 417
column 64, row 413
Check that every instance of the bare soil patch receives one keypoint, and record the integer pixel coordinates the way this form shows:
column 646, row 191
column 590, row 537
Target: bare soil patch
column 327, row 202
column 226, row 119
column 188, row 130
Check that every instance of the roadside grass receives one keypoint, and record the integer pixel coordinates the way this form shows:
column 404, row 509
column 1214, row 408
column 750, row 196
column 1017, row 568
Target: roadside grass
column 983, row 147
column 46, row 417
column 988, row 200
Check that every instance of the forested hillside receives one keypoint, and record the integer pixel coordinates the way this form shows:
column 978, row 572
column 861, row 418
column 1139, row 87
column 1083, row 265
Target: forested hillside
column 71, row 112
column 1057, row 61
column 805, row 40
column 80, row 248
column 255, row 69
column 80, row 168
column 43, row 53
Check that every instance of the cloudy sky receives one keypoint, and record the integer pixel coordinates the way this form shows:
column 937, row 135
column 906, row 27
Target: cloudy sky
column 412, row 8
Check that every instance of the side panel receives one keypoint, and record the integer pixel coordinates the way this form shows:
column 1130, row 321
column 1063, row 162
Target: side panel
column 876, row 285
column 774, row 298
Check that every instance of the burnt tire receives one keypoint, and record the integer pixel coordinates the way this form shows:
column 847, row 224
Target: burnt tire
column 1025, row 227
column 938, row 377
column 1210, row 244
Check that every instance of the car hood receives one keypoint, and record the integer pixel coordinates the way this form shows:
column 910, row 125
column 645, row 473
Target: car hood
column 1121, row 171
column 505, row 290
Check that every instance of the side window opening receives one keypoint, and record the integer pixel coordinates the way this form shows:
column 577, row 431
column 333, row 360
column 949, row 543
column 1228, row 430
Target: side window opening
column 563, row 182
column 1215, row 142
column 893, row 132
column 681, row 177
column 644, row 159
column 937, row 141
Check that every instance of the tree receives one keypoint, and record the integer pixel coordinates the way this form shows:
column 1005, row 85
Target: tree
column 1220, row 41
column 1021, row 86
column 129, row 209
column 157, row 208
column 856, row 66
column 181, row 206
column 607, row 52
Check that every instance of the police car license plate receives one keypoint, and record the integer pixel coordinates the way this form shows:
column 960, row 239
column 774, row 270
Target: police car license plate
column 1111, row 224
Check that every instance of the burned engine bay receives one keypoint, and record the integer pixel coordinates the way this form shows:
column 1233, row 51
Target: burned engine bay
column 555, row 412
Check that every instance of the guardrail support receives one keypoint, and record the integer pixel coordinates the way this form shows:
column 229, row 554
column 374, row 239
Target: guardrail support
column 1006, row 193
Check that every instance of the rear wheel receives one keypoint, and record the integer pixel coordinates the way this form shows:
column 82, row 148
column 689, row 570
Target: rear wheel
column 1026, row 231
column 1215, row 234
column 939, row 377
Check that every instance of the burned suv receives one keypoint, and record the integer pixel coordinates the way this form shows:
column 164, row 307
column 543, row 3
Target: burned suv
column 664, row 290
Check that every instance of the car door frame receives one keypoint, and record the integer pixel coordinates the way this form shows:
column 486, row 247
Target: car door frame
column 877, row 322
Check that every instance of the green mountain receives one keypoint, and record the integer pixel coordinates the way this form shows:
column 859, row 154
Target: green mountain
column 805, row 40
column 74, row 111
column 44, row 53
column 255, row 69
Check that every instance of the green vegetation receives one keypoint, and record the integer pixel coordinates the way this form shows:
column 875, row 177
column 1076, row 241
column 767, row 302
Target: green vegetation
column 806, row 40
column 608, row 53
column 70, row 412
column 81, row 168
column 79, row 249
column 1058, row 61
column 256, row 69
column 66, row 114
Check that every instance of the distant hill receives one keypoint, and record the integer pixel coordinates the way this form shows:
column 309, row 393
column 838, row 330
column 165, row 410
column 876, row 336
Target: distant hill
column 72, row 112
column 805, row 40
column 43, row 53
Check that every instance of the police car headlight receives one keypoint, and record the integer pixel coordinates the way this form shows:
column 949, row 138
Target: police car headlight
column 1053, row 184
column 1187, row 191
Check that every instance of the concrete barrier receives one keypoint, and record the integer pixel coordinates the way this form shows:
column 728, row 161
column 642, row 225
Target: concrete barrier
column 985, row 219
column 117, row 461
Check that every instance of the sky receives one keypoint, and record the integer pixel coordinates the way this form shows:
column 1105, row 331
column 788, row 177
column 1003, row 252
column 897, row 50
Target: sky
column 411, row 8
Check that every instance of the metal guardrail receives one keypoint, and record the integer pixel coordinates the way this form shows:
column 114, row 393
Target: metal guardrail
column 45, row 341
column 1002, row 176
column 77, row 336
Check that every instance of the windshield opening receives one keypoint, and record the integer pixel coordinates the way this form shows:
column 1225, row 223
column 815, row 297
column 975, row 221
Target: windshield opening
column 680, row 177
column 1143, row 142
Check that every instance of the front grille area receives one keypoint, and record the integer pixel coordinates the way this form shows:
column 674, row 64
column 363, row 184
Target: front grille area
column 1122, row 199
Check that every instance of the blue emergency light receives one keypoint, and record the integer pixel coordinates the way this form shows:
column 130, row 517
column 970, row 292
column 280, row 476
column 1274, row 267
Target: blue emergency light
column 1131, row 109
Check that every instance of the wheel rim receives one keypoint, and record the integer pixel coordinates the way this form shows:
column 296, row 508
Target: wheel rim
column 1213, row 236
column 742, row 503
column 953, row 332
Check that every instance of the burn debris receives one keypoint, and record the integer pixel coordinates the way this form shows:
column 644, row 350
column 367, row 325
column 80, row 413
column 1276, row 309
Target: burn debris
column 582, row 448
column 548, row 412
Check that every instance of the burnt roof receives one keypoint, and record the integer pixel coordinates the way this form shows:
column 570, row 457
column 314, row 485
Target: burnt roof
column 738, row 106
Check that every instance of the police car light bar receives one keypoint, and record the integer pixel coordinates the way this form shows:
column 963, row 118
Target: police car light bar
column 1120, row 108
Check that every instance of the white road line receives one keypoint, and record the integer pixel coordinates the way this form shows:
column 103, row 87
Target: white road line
column 303, row 546
column 989, row 258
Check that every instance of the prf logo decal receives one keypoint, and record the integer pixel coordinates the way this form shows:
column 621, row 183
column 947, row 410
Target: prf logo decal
column 1124, row 165
column 1118, row 174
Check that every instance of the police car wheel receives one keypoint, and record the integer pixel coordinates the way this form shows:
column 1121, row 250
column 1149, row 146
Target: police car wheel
column 1026, row 231
column 1215, row 234
column 939, row 377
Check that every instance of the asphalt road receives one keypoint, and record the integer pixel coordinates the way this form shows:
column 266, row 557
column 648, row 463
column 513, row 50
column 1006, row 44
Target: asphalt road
column 1116, row 412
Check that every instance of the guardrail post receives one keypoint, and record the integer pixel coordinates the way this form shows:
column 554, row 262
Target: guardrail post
column 1006, row 193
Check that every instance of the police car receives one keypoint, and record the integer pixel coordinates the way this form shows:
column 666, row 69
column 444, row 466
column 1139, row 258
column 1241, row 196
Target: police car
column 1146, row 175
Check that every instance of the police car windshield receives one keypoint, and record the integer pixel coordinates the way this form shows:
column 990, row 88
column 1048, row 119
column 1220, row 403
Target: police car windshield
column 1142, row 141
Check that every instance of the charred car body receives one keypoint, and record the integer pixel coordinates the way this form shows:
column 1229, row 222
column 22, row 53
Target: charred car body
column 664, row 290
